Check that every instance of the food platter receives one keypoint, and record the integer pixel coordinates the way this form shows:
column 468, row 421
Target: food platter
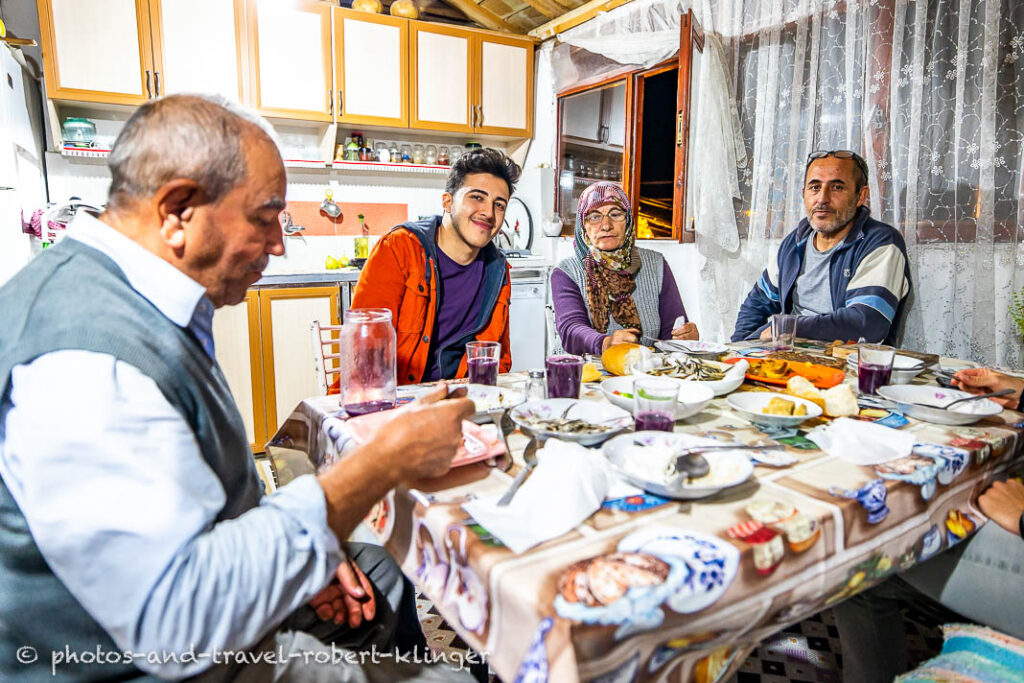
column 772, row 371
column 585, row 422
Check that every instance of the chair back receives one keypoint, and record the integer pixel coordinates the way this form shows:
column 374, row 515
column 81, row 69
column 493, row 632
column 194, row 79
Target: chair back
column 326, row 353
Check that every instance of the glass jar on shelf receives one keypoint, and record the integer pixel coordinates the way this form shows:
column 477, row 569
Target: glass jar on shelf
column 455, row 152
column 382, row 155
column 431, row 156
column 406, row 154
column 419, row 155
column 351, row 150
column 442, row 156
column 396, row 156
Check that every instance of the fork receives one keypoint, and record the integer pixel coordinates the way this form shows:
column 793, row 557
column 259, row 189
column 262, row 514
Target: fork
column 530, row 458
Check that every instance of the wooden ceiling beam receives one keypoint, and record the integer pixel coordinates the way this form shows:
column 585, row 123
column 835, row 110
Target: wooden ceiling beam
column 574, row 18
column 482, row 16
column 549, row 8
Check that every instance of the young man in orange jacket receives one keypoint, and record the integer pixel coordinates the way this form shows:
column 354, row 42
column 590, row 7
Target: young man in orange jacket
column 442, row 278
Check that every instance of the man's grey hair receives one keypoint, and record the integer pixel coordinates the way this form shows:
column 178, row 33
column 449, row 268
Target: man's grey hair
column 198, row 137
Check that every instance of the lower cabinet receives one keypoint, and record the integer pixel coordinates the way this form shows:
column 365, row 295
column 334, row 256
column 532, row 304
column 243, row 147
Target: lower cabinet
column 266, row 353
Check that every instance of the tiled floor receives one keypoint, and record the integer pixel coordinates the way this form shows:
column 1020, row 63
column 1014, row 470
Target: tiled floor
column 803, row 653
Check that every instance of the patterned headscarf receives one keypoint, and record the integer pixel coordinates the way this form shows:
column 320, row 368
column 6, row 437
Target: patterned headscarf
column 610, row 274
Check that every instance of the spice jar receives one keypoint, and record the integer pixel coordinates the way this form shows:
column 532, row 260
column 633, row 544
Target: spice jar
column 418, row 154
column 442, row 157
column 431, row 157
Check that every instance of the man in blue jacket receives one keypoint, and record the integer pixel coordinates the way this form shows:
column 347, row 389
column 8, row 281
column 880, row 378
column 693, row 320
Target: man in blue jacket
column 844, row 273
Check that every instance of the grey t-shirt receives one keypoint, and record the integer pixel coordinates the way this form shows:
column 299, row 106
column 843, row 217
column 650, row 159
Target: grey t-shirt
column 812, row 294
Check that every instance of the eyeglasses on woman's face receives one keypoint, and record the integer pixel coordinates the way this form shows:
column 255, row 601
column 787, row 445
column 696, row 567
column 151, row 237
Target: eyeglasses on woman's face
column 597, row 217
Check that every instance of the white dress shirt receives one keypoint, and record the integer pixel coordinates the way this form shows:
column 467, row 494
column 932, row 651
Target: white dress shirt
column 122, row 505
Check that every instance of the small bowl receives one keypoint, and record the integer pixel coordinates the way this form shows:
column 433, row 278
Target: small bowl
column 904, row 368
column 693, row 396
column 486, row 397
column 749, row 405
column 734, row 376
column 611, row 416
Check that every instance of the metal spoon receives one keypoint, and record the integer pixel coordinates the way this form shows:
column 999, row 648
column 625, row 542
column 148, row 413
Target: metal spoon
column 991, row 394
column 530, row 458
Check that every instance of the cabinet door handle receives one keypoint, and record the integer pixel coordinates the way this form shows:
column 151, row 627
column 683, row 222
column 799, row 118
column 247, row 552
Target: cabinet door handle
column 149, row 84
column 330, row 103
column 341, row 101
column 481, row 108
column 156, row 82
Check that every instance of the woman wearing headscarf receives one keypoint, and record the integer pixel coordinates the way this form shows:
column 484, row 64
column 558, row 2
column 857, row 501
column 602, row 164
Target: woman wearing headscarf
column 611, row 291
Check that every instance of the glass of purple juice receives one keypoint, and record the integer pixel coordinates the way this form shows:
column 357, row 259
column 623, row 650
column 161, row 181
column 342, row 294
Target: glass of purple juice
column 654, row 404
column 482, row 362
column 874, row 367
column 367, row 362
column 565, row 373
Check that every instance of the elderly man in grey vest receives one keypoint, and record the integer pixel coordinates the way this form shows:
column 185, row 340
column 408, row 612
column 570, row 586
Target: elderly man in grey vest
column 135, row 539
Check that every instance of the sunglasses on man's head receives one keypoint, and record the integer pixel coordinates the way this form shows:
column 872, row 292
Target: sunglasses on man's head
column 840, row 154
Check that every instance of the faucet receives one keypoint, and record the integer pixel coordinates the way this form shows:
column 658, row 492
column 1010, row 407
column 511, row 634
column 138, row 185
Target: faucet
column 289, row 228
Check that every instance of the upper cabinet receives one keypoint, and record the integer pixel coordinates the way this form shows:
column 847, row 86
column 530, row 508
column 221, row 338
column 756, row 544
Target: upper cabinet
column 371, row 67
column 290, row 59
column 192, row 55
column 97, row 51
column 442, row 73
column 470, row 81
column 128, row 51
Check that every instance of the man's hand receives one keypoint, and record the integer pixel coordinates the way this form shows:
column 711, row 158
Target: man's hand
column 686, row 331
column 630, row 335
column 1003, row 503
column 423, row 440
column 984, row 380
column 350, row 595
column 766, row 334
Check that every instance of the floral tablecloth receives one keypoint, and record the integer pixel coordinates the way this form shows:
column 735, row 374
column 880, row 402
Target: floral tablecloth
column 652, row 589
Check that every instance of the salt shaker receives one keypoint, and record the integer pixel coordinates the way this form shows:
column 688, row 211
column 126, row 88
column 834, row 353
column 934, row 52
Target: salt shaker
column 536, row 386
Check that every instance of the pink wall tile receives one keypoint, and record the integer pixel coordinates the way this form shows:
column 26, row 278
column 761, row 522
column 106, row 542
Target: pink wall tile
column 379, row 218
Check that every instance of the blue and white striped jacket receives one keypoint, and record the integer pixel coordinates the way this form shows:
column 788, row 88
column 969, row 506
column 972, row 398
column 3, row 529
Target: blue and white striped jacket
column 868, row 274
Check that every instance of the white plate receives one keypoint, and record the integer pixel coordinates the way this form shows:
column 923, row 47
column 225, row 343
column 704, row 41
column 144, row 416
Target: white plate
column 487, row 398
column 692, row 346
column 904, row 368
column 693, row 396
column 749, row 405
column 734, row 376
column 594, row 412
column 713, row 563
column 963, row 414
column 644, row 465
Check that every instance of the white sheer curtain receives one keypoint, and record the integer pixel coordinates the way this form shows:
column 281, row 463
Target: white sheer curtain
column 931, row 92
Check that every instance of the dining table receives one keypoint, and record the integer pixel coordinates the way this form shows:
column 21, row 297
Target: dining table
column 653, row 588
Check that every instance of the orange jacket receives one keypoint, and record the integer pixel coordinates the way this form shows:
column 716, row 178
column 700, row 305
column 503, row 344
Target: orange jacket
column 401, row 275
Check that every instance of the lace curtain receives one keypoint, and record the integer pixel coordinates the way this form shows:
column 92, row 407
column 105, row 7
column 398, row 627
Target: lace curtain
column 930, row 92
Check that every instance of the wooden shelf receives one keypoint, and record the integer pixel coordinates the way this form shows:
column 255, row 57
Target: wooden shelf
column 381, row 167
column 592, row 144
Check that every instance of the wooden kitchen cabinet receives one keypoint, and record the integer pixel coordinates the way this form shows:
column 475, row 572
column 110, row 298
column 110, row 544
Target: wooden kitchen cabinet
column 198, row 46
column 129, row 51
column 263, row 347
column 469, row 81
column 98, row 51
column 371, row 68
column 236, row 339
column 290, row 59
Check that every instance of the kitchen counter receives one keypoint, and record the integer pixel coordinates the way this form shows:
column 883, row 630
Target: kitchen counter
column 340, row 275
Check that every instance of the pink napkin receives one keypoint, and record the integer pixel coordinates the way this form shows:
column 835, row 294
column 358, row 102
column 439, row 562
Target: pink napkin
column 477, row 443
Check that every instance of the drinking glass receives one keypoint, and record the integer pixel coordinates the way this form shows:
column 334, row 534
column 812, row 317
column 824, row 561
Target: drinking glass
column 654, row 404
column 783, row 331
column 482, row 360
column 367, row 361
column 874, row 367
column 565, row 374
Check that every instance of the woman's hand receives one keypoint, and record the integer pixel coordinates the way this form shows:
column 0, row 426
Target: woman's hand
column 1003, row 503
column 984, row 380
column 686, row 331
column 630, row 335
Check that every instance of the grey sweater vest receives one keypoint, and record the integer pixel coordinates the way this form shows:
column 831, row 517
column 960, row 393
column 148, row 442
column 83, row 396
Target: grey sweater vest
column 646, row 295
column 74, row 297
